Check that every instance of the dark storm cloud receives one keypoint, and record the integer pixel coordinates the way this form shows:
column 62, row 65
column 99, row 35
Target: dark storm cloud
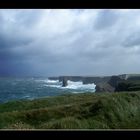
column 69, row 42
column 6, row 42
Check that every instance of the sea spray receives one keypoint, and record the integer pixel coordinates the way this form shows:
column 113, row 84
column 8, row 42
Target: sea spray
column 77, row 86
column 33, row 88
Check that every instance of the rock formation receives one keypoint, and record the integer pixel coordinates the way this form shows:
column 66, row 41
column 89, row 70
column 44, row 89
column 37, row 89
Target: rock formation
column 104, row 87
column 64, row 82
column 103, row 83
column 114, row 80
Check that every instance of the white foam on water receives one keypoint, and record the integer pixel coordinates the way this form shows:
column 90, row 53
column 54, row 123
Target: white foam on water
column 52, row 81
column 75, row 86
column 79, row 85
column 48, row 81
column 55, row 86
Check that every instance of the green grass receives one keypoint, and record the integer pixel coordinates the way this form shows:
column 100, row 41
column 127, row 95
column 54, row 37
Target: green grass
column 128, row 85
column 120, row 110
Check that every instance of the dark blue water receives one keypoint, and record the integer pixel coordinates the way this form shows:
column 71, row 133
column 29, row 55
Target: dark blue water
column 32, row 88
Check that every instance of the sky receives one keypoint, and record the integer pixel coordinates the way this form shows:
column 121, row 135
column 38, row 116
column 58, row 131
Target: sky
column 54, row 42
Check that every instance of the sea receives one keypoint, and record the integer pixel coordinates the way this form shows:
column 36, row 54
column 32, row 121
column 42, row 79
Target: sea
column 12, row 89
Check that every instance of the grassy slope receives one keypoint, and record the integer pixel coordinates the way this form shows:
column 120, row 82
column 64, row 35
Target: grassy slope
column 79, row 111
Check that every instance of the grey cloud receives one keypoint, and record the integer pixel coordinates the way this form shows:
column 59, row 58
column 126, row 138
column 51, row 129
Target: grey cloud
column 64, row 42
column 6, row 42
column 132, row 40
column 106, row 19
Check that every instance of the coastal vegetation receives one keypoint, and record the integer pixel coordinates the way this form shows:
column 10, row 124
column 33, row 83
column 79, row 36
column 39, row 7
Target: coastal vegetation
column 128, row 86
column 118, row 110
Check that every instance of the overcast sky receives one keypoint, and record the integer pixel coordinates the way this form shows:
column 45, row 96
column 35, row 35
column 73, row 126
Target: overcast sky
column 69, row 42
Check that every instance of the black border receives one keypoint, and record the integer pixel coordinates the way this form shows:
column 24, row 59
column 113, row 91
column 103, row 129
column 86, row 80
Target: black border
column 70, row 4
column 70, row 134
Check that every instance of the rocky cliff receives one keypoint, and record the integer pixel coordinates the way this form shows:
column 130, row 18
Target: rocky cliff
column 103, row 83
column 85, row 79
column 110, row 84
column 104, row 87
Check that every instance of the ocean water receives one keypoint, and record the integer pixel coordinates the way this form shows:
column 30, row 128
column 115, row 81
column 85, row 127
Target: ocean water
column 33, row 88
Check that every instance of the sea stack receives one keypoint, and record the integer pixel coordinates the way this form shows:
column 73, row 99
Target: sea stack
column 64, row 82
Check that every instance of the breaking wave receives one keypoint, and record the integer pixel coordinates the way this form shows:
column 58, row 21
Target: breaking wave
column 48, row 81
column 77, row 86
column 52, row 81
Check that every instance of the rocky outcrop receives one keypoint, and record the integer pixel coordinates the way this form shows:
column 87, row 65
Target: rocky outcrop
column 104, row 87
column 64, row 82
column 114, row 80
column 95, row 80
column 110, row 85
column 85, row 79
column 103, row 83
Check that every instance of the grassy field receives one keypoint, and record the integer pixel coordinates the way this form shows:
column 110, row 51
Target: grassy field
column 74, row 111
